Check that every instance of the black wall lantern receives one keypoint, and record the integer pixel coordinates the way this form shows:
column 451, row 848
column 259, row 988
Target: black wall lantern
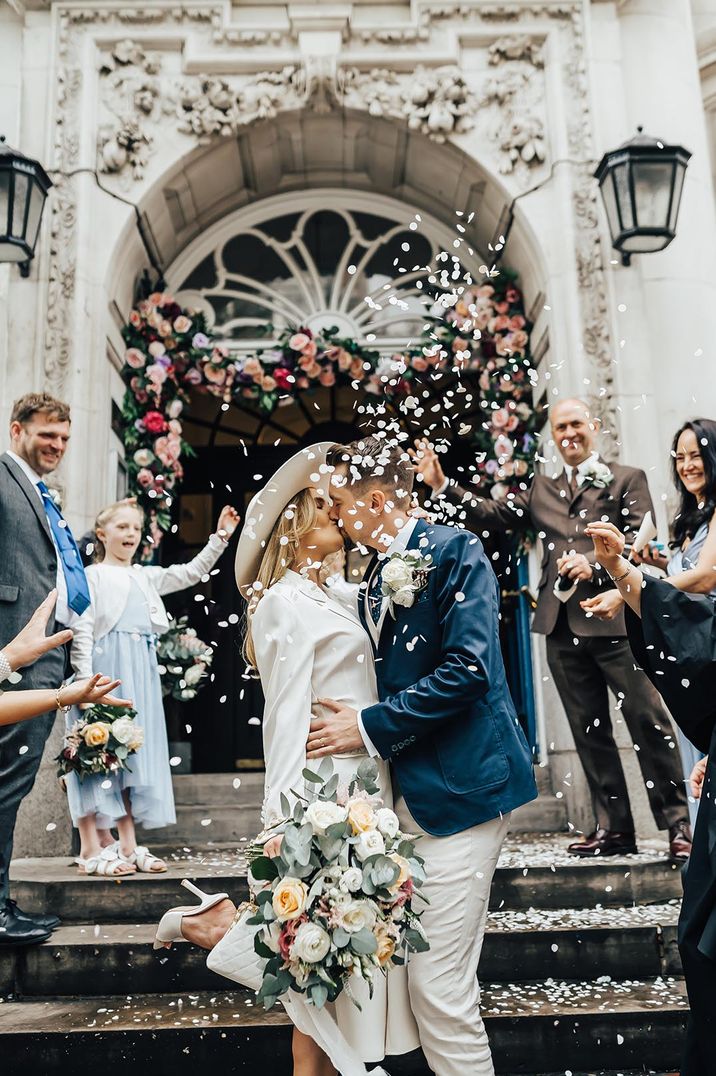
column 24, row 184
column 641, row 184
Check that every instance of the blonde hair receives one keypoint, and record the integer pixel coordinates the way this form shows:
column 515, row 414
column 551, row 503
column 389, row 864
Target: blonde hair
column 297, row 518
column 106, row 515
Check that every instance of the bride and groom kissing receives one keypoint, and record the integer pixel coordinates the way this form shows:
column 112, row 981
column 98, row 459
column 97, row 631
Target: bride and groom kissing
column 406, row 668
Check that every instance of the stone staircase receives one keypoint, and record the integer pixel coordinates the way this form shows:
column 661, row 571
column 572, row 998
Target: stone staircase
column 580, row 970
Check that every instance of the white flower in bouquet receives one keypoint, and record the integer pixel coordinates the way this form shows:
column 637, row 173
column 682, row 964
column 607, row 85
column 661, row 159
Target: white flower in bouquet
column 387, row 822
column 352, row 879
column 137, row 739
column 370, row 843
column 311, row 943
column 124, row 730
column 324, row 813
column 358, row 915
column 272, row 933
column 193, row 674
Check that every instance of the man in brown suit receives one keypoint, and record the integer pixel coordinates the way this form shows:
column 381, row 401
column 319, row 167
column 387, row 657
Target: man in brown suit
column 587, row 655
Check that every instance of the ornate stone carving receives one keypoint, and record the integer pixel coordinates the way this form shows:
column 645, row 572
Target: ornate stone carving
column 514, row 96
column 210, row 106
column 437, row 102
column 132, row 93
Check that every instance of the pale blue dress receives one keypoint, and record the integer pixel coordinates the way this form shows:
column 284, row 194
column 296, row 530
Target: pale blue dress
column 128, row 653
column 682, row 561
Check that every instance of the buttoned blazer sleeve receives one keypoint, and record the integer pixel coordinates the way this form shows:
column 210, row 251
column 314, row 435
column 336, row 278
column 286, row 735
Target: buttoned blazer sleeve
column 284, row 644
column 483, row 512
column 180, row 576
column 84, row 628
column 469, row 631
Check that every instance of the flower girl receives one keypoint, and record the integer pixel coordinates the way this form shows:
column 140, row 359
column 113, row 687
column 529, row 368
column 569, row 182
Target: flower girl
column 118, row 634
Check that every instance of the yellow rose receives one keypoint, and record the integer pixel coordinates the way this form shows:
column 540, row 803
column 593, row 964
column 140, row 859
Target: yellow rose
column 96, row 734
column 289, row 899
column 404, row 871
column 361, row 816
column 386, row 944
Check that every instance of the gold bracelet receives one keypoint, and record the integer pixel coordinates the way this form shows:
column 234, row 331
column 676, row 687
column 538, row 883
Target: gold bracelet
column 618, row 578
column 58, row 700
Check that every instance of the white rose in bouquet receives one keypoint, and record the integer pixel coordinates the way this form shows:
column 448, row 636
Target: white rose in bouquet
column 358, row 915
column 387, row 822
column 352, row 879
column 193, row 674
column 311, row 943
column 397, row 574
column 370, row 843
column 124, row 730
column 324, row 813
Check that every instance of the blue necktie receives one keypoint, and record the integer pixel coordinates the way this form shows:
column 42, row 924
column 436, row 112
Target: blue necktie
column 375, row 596
column 78, row 597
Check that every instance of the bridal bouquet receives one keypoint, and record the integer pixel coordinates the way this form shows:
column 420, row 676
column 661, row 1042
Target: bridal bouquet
column 184, row 660
column 100, row 741
column 338, row 899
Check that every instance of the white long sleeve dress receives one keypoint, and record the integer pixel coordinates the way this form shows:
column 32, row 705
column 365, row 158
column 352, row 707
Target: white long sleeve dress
column 309, row 645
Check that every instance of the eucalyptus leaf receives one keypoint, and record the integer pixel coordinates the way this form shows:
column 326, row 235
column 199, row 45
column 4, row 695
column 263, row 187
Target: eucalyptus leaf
column 319, row 995
column 341, row 937
column 285, row 806
column 311, row 777
column 264, row 869
column 331, row 787
column 363, row 942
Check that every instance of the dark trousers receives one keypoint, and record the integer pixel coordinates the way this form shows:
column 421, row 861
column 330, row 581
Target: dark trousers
column 18, row 769
column 582, row 673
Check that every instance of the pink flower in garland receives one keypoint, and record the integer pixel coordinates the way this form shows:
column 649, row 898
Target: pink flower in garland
column 145, row 478
column 154, row 422
column 135, row 319
column 167, row 450
column 252, row 368
column 135, row 358
column 193, row 376
column 419, row 364
column 157, row 374
column 175, row 408
column 267, row 383
column 200, row 340
column 182, row 324
column 299, row 341
column 284, row 378
column 216, row 375
column 157, row 348
column 327, row 377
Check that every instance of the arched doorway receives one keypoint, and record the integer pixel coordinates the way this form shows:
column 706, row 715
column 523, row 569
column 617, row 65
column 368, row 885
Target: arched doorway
column 313, row 228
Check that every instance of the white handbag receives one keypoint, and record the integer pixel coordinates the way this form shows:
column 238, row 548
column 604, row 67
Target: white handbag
column 234, row 956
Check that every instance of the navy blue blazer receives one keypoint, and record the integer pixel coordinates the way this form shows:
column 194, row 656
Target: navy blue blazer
column 446, row 720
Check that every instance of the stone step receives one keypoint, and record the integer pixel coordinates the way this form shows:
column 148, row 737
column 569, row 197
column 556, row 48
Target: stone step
column 546, row 814
column 200, row 824
column 220, row 789
column 118, row 958
column 549, row 1025
column 531, row 873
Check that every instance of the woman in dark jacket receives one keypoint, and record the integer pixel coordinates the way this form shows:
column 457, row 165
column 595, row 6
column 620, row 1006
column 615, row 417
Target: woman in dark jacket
column 673, row 637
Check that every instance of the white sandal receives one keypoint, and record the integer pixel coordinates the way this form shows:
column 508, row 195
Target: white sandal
column 142, row 859
column 169, row 929
column 107, row 863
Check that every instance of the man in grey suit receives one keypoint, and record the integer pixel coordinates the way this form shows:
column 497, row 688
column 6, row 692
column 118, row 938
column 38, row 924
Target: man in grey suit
column 37, row 554
column 587, row 655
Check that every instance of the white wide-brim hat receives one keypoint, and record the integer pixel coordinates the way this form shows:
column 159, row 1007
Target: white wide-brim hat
column 307, row 468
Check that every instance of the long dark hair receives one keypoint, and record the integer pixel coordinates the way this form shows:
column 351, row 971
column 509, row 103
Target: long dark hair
column 692, row 513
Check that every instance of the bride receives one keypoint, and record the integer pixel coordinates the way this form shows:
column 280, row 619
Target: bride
column 307, row 643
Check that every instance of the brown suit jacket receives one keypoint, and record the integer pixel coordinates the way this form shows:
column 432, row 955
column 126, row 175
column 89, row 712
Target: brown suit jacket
column 559, row 519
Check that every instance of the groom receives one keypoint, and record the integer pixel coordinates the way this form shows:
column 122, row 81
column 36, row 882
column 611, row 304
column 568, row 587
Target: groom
column 445, row 720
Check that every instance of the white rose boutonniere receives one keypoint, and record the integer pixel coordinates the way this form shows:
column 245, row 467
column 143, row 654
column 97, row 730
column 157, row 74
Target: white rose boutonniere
column 595, row 474
column 403, row 577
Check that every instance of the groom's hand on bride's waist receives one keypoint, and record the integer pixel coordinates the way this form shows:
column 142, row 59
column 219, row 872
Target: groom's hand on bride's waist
column 335, row 733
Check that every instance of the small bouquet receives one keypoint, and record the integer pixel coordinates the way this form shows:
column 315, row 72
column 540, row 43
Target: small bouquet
column 100, row 741
column 338, row 899
column 183, row 660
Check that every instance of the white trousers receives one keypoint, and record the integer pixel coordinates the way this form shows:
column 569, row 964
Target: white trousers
column 443, row 986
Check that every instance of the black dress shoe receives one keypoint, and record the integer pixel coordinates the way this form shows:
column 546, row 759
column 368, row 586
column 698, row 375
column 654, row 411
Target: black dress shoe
column 45, row 922
column 604, row 842
column 16, row 931
column 680, row 840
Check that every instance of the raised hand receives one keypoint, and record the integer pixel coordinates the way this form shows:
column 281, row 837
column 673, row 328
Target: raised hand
column 229, row 520
column 32, row 642
column 427, row 464
column 608, row 541
column 88, row 692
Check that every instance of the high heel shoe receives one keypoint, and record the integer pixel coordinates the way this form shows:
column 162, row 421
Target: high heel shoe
column 169, row 929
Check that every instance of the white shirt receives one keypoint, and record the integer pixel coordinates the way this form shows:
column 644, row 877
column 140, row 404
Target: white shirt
column 580, row 467
column 63, row 613
column 398, row 545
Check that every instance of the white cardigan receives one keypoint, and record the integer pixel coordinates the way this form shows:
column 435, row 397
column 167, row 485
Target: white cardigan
column 109, row 592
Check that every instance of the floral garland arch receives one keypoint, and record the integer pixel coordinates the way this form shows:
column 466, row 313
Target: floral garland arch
column 481, row 331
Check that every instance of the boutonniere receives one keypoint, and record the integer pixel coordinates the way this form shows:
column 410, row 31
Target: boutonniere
column 403, row 576
column 595, row 474
column 56, row 498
